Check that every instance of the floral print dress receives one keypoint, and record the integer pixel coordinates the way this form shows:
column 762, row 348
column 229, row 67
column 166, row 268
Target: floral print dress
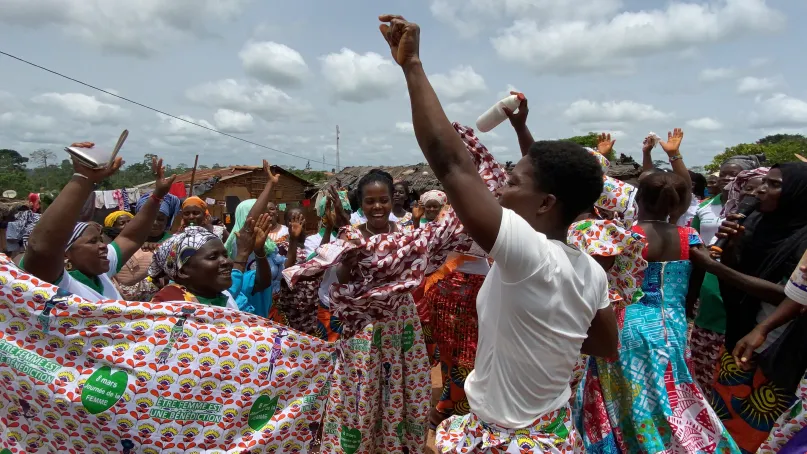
column 381, row 387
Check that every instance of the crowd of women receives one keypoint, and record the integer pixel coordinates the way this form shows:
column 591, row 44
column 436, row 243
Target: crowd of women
column 651, row 341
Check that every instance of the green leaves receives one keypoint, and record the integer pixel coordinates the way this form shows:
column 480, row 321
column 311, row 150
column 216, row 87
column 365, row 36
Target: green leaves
column 777, row 149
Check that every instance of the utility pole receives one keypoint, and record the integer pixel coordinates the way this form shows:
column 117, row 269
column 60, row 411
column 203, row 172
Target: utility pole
column 337, row 148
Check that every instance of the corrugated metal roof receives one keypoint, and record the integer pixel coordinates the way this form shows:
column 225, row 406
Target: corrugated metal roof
column 226, row 173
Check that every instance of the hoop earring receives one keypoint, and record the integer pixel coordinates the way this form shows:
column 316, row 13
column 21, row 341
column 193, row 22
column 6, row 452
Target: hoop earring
column 68, row 266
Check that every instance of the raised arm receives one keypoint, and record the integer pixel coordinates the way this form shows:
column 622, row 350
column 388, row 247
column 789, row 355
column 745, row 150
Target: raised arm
column 266, row 195
column 672, row 148
column 137, row 230
column 475, row 206
column 647, row 153
column 44, row 257
column 518, row 120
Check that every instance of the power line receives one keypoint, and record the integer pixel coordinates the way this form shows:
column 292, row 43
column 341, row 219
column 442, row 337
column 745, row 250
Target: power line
column 157, row 110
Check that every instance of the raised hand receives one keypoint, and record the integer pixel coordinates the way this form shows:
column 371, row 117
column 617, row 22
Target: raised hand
column 296, row 224
column 673, row 143
column 161, row 185
column 267, row 169
column 403, row 38
column 340, row 217
column 95, row 175
column 518, row 118
column 261, row 233
column 604, row 144
column 245, row 238
column 418, row 211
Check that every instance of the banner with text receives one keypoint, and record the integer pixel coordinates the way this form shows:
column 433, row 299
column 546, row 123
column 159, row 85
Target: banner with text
column 126, row 377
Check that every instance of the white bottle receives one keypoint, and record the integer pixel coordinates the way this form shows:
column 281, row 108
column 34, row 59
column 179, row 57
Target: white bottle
column 495, row 115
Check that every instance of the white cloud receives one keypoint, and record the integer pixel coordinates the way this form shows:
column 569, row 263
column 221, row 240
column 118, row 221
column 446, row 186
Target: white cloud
column 361, row 78
column 705, row 124
column 780, row 111
column 269, row 102
column 82, row 107
column 612, row 112
column 755, row 85
column 715, row 74
column 172, row 126
column 24, row 122
column 463, row 108
column 140, row 28
column 616, row 42
column 405, row 127
column 469, row 17
column 230, row 121
column 274, row 63
column 458, row 84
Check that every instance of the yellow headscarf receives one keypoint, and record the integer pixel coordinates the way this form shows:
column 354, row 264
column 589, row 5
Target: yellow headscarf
column 109, row 221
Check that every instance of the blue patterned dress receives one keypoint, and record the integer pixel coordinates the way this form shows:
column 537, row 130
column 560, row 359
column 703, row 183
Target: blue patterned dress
column 646, row 400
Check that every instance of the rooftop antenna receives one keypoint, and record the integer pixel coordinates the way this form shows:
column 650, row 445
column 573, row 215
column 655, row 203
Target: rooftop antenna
column 337, row 148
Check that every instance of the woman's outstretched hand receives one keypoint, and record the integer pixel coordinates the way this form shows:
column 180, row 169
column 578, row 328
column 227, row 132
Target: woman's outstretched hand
column 403, row 38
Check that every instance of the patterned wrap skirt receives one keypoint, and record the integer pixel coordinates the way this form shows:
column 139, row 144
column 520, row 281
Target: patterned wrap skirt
column 550, row 433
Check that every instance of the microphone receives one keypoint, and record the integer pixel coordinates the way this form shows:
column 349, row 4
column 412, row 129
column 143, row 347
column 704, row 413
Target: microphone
column 748, row 205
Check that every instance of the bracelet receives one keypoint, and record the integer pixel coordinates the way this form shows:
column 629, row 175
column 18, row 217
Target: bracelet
column 676, row 157
column 156, row 199
column 260, row 256
column 81, row 175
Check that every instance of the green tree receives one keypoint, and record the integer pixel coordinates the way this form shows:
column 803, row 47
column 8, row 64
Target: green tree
column 11, row 160
column 777, row 149
column 590, row 140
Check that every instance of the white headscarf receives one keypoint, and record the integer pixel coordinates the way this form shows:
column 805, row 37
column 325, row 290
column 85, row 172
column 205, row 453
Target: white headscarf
column 438, row 196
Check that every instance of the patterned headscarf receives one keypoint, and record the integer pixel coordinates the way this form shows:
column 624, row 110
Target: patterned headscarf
column 78, row 230
column 735, row 188
column 169, row 206
column 177, row 250
column 241, row 212
column 109, row 221
column 438, row 196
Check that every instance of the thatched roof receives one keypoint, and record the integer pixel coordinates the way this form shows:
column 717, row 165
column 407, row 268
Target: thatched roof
column 10, row 206
column 419, row 176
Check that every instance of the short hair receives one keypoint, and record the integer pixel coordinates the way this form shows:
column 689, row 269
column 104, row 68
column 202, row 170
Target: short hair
column 374, row 176
column 569, row 172
column 698, row 184
column 661, row 193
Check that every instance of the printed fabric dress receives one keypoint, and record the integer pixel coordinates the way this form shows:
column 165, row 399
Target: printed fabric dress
column 788, row 435
column 381, row 387
column 647, row 401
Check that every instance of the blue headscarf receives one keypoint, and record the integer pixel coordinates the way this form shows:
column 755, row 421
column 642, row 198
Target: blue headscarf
column 169, row 206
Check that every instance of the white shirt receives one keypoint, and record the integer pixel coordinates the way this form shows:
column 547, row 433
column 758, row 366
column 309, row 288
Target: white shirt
column 74, row 286
column 686, row 219
column 709, row 220
column 534, row 309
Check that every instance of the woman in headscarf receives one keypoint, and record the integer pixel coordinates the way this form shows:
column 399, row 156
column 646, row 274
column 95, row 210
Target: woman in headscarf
column 750, row 393
column 195, row 212
column 429, row 207
column 710, row 318
column 133, row 281
column 33, row 202
column 273, row 259
column 114, row 223
column 88, row 264
column 198, row 268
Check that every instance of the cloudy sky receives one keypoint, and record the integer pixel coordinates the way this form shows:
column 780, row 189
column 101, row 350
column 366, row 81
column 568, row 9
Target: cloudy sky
column 284, row 74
